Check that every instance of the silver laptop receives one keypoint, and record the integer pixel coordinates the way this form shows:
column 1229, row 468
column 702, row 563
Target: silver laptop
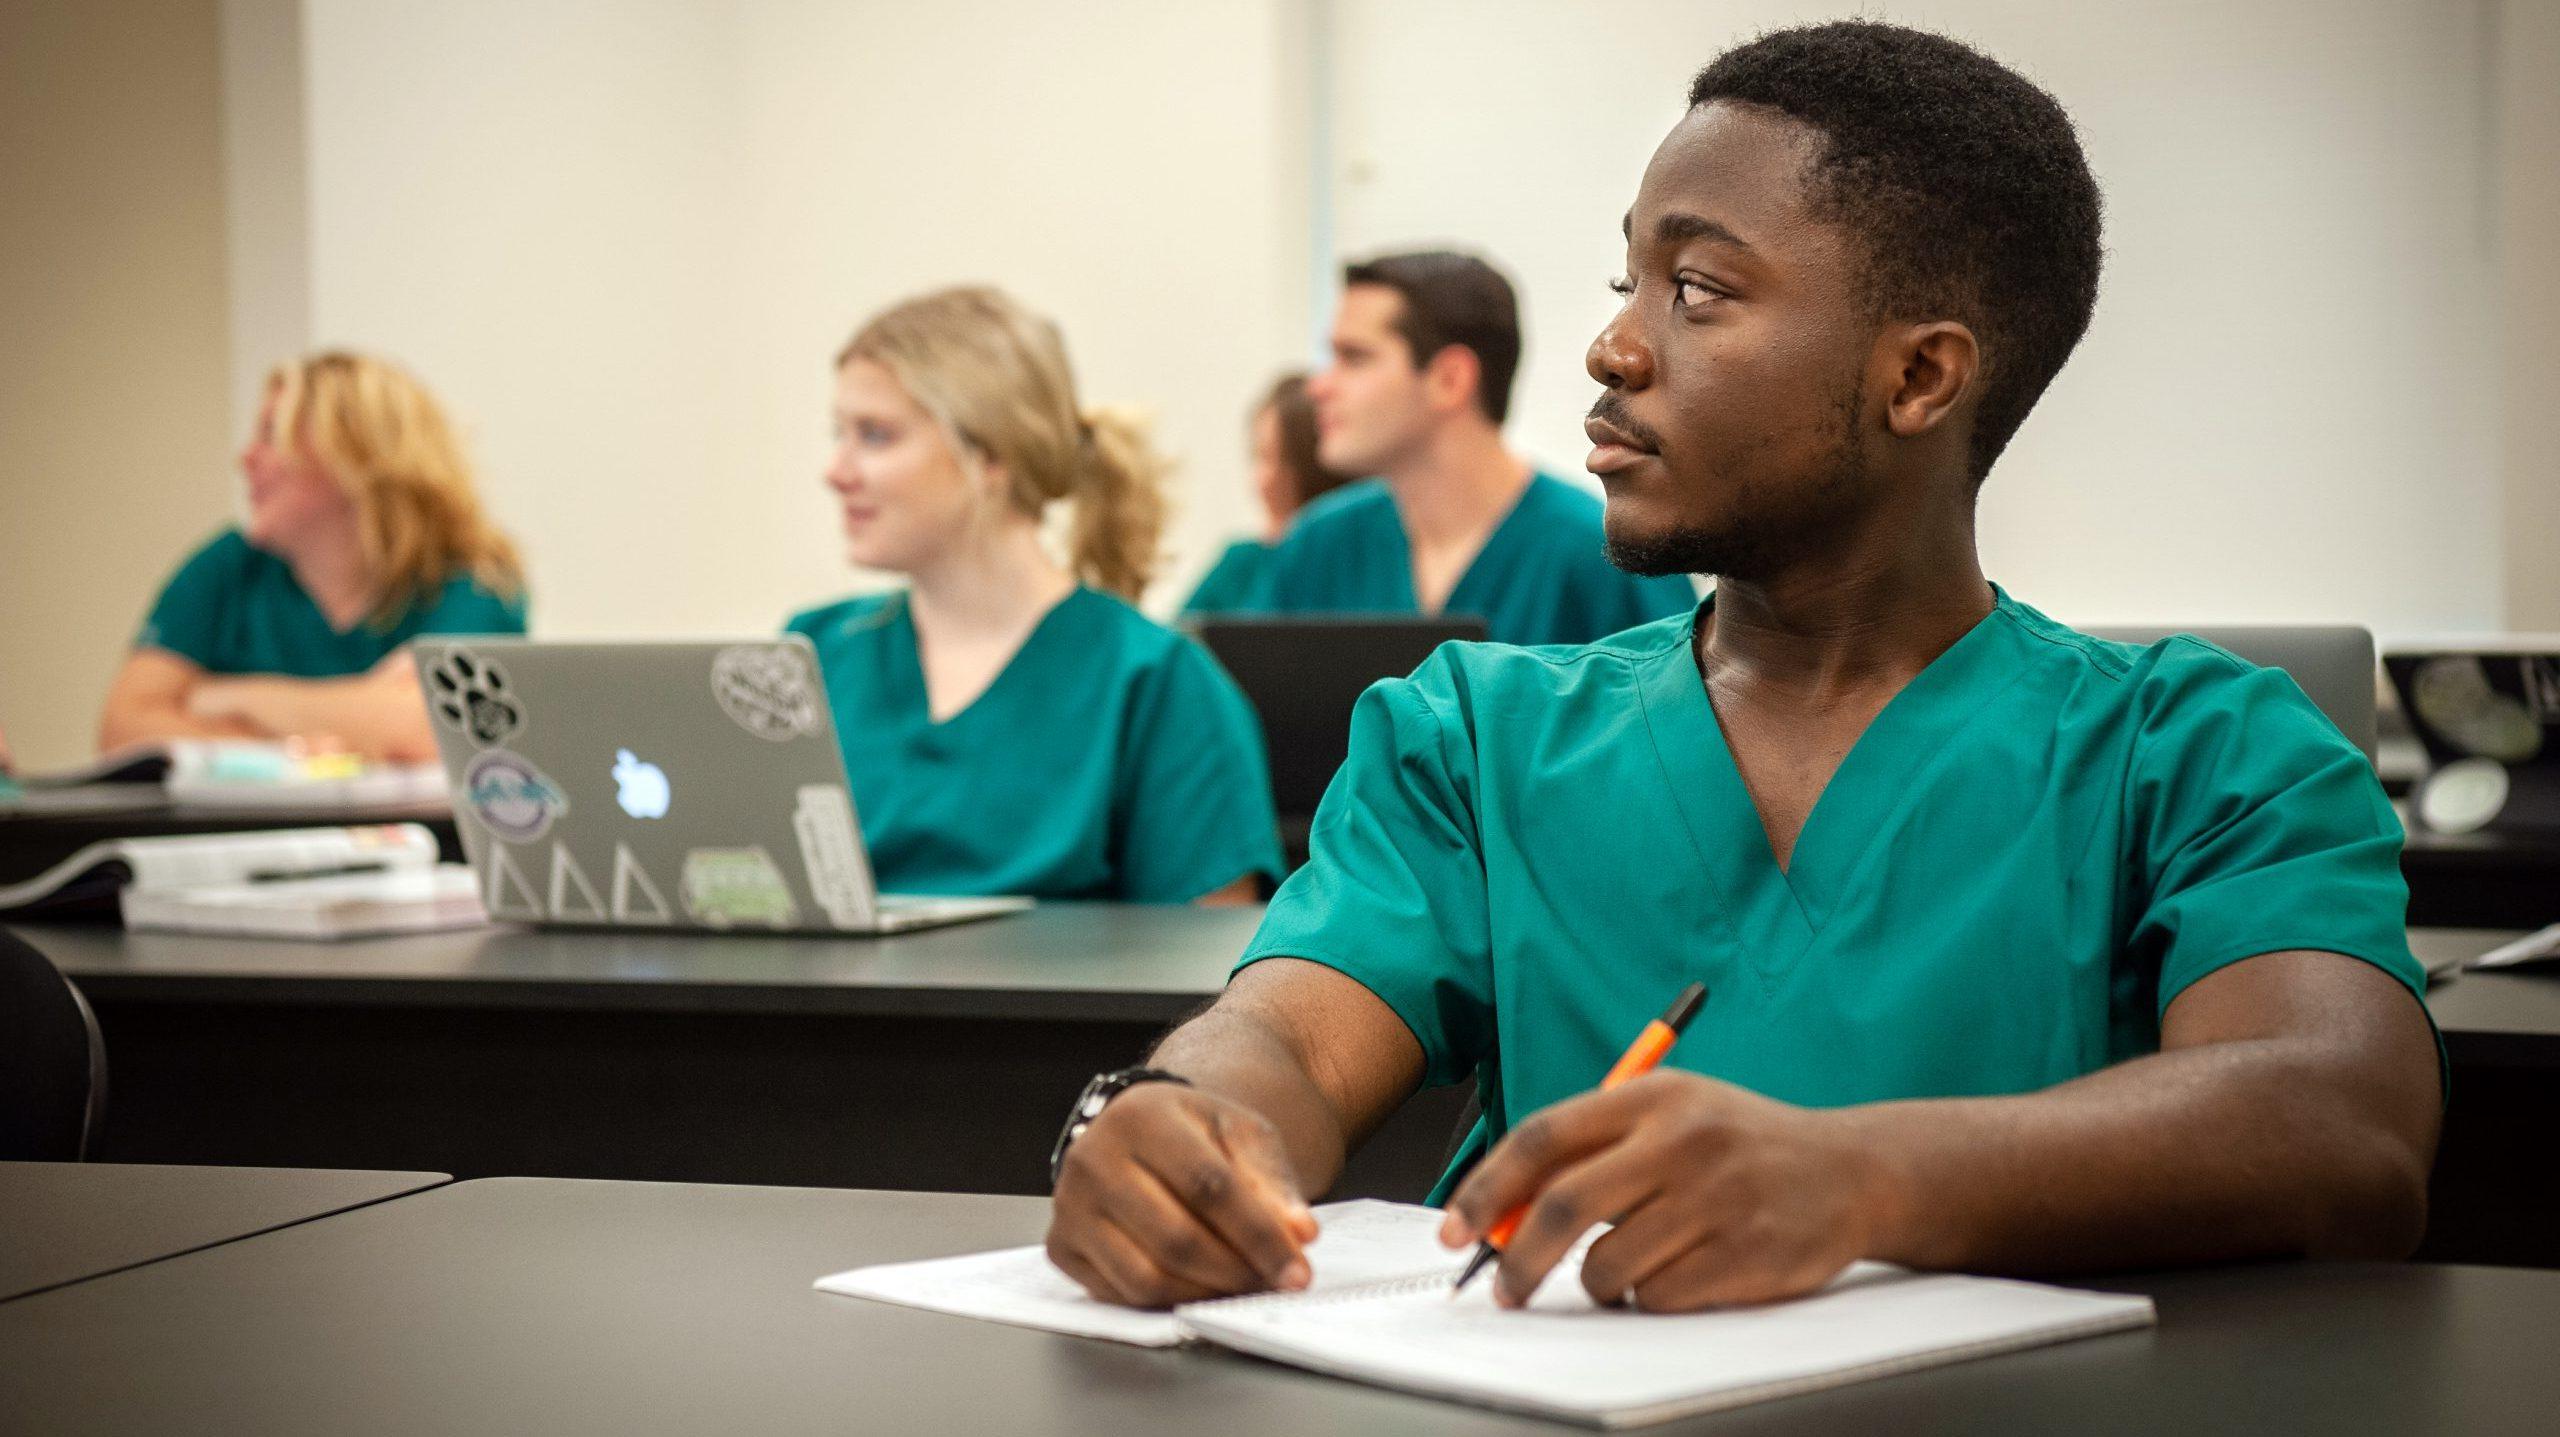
column 659, row 785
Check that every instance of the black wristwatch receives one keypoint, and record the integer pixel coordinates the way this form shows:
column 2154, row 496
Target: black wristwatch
column 1096, row 1096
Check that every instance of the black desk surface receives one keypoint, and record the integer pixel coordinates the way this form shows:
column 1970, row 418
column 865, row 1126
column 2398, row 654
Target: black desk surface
column 1075, row 961
column 63, row 1222
column 523, row 1305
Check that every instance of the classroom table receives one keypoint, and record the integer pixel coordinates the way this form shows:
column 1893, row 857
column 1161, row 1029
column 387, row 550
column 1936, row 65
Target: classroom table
column 860, row 1062
column 32, row 840
column 570, row 1308
column 63, row 1223
column 937, row 1060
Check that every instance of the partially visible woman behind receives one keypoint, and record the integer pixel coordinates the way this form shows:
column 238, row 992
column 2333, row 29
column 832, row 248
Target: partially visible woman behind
column 1286, row 477
column 364, row 531
column 1009, row 723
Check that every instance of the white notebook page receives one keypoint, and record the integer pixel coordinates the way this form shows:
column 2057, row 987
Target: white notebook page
column 1357, row 1243
column 1562, row 1356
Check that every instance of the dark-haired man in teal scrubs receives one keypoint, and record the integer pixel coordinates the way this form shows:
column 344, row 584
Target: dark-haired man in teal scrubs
column 2025, row 952
column 1424, row 346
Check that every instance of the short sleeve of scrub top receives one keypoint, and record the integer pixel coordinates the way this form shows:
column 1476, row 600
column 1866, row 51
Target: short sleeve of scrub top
column 1393, row 895
column 2257, row 826
column 1232, row 584
column 185, row 619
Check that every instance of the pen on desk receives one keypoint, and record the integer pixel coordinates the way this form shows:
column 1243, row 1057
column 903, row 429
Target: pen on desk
column 1640, row 1058
column 335, row 870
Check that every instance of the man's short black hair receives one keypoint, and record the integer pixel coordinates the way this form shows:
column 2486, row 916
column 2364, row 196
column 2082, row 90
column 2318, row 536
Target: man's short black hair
column 1962, row 178
column 1452, row 298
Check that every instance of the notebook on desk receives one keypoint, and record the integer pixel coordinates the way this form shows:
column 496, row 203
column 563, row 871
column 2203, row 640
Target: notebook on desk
column 1380, row 1311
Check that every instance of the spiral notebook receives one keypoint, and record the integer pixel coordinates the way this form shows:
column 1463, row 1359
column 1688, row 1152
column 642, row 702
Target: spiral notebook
column 1562, row 1356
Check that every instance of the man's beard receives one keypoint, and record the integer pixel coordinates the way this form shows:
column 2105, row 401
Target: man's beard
column 1759, row 540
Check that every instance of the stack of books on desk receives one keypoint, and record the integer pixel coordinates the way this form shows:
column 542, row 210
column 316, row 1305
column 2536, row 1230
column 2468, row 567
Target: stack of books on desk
column 287, row 883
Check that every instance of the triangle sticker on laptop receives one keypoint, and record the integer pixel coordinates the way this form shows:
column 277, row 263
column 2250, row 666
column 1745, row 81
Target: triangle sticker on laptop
column 509, row 895
column 568, row 880
column 630, row 880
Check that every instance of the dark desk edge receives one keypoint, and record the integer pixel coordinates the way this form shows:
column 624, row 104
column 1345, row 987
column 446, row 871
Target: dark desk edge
column 440, row 1180
column 477, row 991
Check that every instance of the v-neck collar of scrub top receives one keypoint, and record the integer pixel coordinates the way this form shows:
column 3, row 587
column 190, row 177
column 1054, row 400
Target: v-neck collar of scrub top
column 1774, row 914
column 1468, row 595
column 906, row 665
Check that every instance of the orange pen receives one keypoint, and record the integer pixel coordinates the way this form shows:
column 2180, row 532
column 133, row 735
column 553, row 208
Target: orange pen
column 1640, row 1058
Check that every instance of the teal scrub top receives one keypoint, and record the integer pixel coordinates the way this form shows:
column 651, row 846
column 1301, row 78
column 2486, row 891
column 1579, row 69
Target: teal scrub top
column 236, row 609
column 1542, row 576
column 2036, row 846
column 1231, row 582
column 1112, row 758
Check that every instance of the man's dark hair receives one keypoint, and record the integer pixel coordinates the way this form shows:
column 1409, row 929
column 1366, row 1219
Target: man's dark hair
column 1452, row 298
column 1963, row 180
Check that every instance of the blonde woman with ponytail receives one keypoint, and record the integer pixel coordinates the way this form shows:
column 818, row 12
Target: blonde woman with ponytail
column 1010, row 724
column 364, row 531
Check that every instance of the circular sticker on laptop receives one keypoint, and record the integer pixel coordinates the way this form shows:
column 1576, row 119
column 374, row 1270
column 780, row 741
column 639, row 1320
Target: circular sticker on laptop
column 469, row 694
column 766, row 689
column 512, row 799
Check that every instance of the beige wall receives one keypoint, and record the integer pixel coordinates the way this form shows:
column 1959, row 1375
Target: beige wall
column 113, row 335
column 2528, row 91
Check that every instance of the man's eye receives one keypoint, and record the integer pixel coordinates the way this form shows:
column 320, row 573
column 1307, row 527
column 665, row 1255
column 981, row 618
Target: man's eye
column 1692, row 291
column 1622, row 287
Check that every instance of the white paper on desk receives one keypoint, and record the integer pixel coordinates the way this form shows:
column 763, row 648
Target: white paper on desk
column 1563, row 1356
column 1358, row 1242
column 2533, row 947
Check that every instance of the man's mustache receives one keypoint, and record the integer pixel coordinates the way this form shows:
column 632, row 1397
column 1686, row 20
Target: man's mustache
column 1611, row 409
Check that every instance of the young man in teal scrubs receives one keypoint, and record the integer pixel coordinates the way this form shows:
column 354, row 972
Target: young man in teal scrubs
column 2087, row 957
column 1424, row 346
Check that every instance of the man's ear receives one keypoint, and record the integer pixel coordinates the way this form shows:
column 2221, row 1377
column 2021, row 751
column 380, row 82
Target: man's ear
column 1452, row 377
column 1929, row 373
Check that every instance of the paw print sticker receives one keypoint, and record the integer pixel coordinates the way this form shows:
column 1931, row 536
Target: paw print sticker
column 470, row 694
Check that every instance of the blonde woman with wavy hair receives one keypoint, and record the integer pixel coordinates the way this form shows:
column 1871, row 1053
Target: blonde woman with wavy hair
column 364, row 530
column 1010, row 724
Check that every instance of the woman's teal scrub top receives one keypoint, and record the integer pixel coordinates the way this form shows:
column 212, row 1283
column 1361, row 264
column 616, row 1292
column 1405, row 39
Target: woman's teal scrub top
column 236, row 609
column 2040, row 842
column 1230, row 584
column 1542, row 576
column 1111, row 758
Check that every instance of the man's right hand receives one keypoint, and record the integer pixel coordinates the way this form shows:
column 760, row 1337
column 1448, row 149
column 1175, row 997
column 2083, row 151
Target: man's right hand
column 1174, row 1195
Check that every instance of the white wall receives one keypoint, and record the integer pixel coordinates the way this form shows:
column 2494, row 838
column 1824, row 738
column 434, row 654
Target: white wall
column 2285, row 408
column 624, row 239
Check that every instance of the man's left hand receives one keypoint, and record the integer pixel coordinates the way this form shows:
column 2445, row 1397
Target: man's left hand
column 1719, row 1196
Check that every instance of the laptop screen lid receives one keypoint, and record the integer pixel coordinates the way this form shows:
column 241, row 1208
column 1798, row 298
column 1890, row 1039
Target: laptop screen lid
column 649, row 784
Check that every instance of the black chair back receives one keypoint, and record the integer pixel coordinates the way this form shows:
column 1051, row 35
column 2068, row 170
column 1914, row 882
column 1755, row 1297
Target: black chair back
column 53, row 1064
column 1302, row 673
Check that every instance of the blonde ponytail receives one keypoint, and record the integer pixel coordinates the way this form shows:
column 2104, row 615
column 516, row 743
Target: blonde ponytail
column 1120, row 504
column 995, row 376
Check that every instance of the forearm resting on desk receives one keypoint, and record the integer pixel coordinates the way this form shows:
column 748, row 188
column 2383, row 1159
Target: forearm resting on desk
column 2292, row 1112
column 379, row 713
